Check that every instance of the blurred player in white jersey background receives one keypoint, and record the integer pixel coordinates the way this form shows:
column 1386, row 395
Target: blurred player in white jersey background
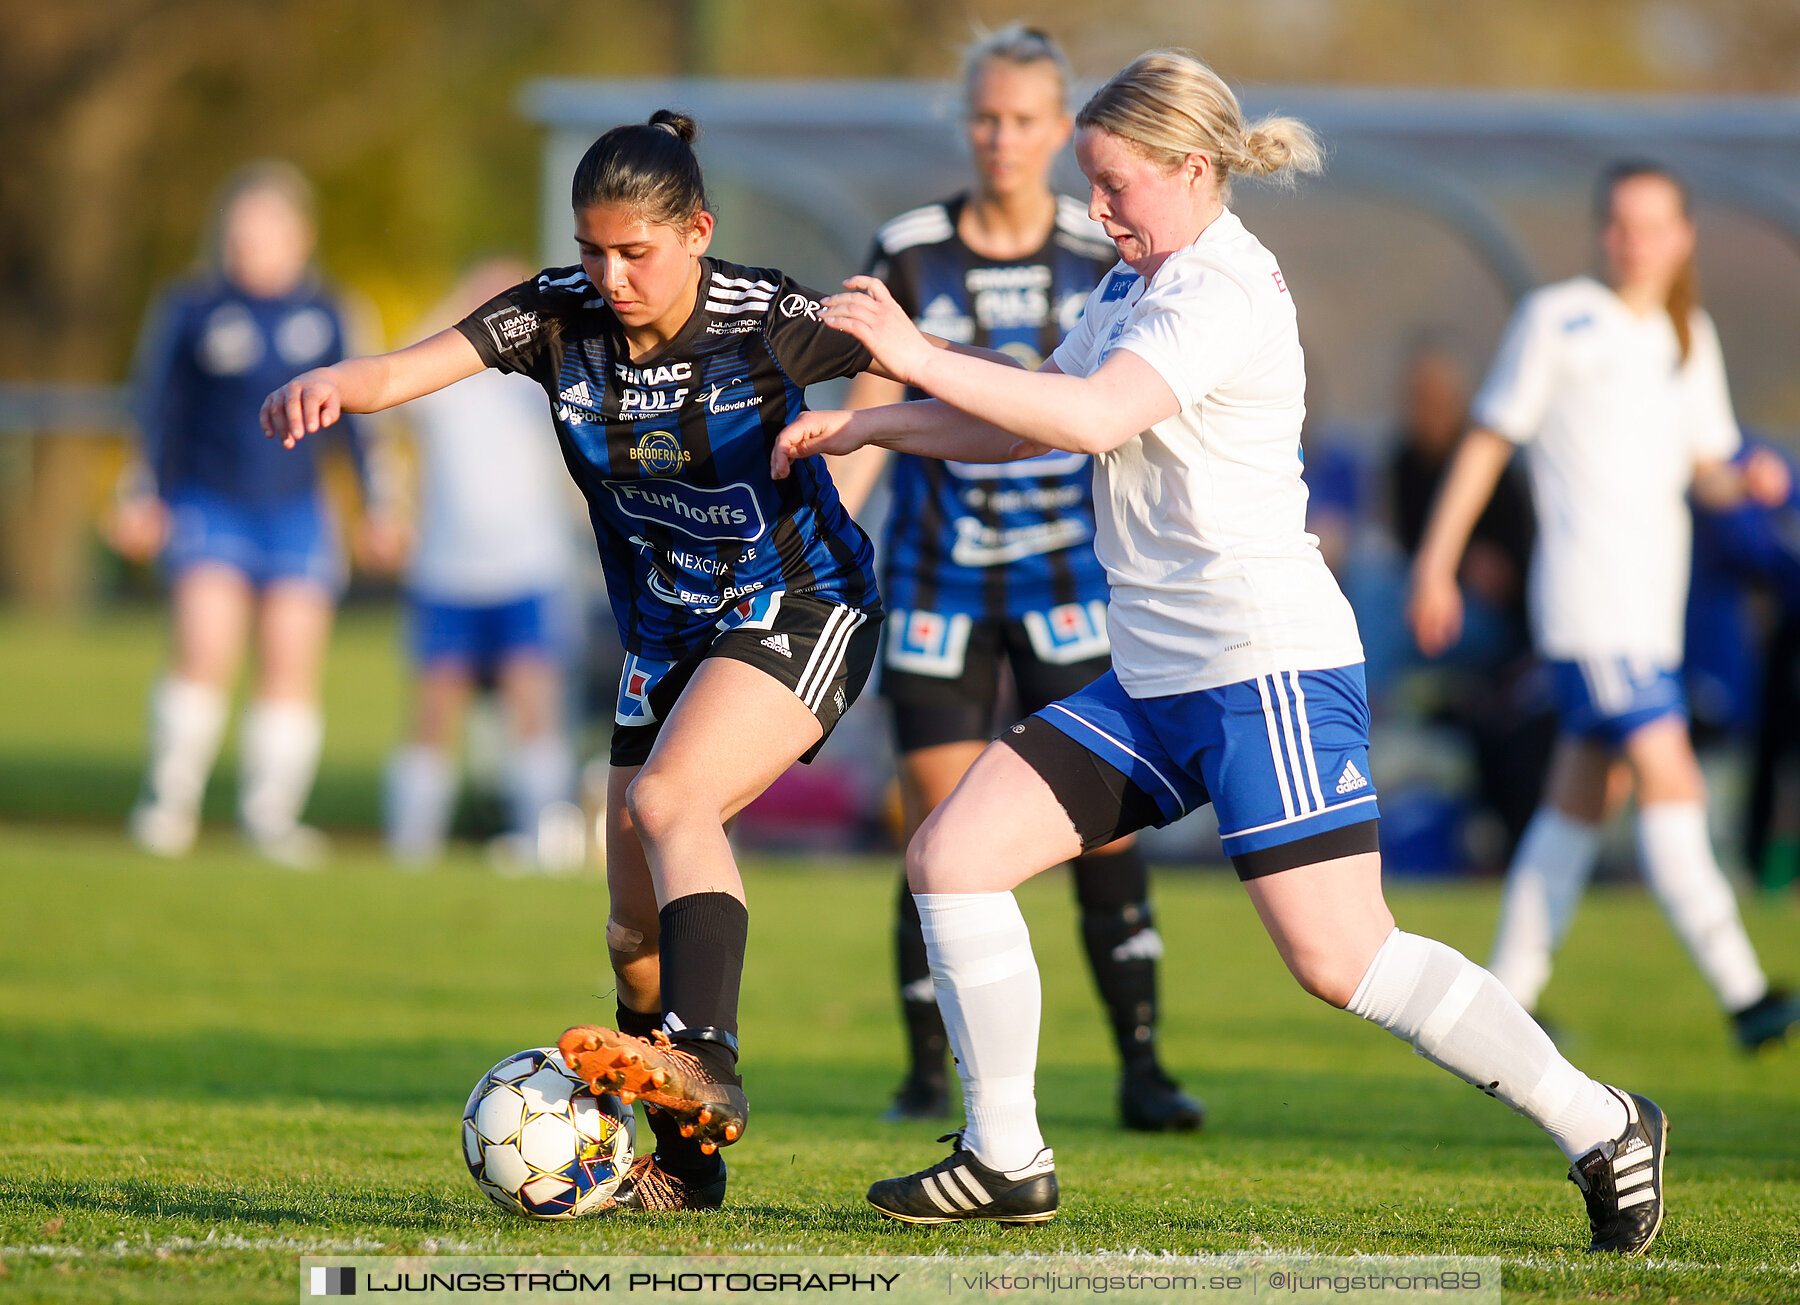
column 488, row 603
column 1616, row 390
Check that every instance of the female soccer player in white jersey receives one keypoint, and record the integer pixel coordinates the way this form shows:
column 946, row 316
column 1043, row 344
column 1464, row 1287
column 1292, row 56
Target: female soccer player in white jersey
column 747, row 606
column 987, row 566
column 1616, row 390
column 1236, row 674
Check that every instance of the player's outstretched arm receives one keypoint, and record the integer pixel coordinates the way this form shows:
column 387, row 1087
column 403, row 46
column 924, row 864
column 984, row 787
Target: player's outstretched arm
column 1435, row 609
column 927, row 428
column 314, row 400
column 1081, row 414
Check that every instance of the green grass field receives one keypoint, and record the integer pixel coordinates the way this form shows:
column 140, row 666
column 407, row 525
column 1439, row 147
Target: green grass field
column 209, row 1068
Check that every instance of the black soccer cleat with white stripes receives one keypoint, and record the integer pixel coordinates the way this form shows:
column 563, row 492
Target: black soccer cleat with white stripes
column 1622, row 1180
column 961, row 1188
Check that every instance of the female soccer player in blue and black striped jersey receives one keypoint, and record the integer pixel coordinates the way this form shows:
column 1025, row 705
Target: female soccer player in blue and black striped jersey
column 242, row 529
column 747, row 606
column 986, row 565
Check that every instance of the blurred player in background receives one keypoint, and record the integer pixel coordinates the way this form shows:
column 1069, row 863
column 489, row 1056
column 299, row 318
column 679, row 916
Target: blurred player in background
column 244, row 531
column 1237, row 676
column 1617, row 391
column 487, row 600
column 986, row 566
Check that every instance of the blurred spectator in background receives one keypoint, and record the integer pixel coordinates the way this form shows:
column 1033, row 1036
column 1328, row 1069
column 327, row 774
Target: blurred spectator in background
column 487, row 601
column 1746, row 684
column 241, row 523
column 1485, row 686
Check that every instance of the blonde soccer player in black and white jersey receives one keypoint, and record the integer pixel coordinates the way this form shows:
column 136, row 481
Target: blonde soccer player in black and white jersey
column 1237, row 674
column 1615, row 388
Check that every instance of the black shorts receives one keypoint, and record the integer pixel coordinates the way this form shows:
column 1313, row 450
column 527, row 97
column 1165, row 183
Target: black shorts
column 952, row 699
column 821, row 650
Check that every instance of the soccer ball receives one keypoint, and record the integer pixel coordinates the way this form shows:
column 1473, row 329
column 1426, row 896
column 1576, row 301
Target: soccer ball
column 539, row 1143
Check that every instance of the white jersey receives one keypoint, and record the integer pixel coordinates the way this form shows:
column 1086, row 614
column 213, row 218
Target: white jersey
column 494, row 515
column 1612, row 422
column 1201, row 520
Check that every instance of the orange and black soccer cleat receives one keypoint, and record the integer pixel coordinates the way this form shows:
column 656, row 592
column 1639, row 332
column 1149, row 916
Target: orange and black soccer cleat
column 650, row 1187
column 657, row 1072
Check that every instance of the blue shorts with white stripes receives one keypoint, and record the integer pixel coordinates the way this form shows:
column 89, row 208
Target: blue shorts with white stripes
column 1282, row 757
column 1608, row 699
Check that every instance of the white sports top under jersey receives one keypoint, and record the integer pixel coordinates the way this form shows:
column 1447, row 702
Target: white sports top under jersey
column 1612, row 423
column 494, row 514
column 1201, row 519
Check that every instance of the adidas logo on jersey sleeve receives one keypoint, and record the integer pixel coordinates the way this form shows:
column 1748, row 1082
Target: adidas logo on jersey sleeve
column 1351, row 779
column 738, row 294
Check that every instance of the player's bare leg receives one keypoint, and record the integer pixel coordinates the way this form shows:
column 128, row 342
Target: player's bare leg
column 1334, row 931
column 283, row 728
column 1675, row 849
column 733, row 732
column 212, row 605
column 1000, row 827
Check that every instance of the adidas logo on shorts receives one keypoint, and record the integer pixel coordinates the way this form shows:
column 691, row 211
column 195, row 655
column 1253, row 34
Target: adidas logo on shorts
column 779, row 643
column 1351, row 780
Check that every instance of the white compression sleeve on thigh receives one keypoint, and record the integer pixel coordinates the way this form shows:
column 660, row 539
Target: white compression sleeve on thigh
column 1548, row 873
column 278, row 757
column 419, row 797
column 988, row 990
column 187, row 720
column 1693, row 892
column 1460, row 1018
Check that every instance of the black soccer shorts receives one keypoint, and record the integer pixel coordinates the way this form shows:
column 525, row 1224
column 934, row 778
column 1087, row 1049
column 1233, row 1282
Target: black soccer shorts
column 821, row 650
column 958, row 707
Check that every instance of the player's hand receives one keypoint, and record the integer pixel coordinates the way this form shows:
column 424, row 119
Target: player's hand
column 305, row 405
column 1435, row 613
column 1766, row 478
column 812, row 433
column 138, row 527
column 867, row 311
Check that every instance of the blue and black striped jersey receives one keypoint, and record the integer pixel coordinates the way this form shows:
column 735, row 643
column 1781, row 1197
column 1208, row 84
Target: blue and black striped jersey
column 208, row 356
column 983, row 540
column 672, row 449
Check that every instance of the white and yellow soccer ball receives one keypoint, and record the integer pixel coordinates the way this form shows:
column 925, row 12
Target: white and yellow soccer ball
column 539, row 1143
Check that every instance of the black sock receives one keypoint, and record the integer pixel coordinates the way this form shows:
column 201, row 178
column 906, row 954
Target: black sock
column 1113, row 889
column 703, row 937
column 675, row 1154
column 926, row 1042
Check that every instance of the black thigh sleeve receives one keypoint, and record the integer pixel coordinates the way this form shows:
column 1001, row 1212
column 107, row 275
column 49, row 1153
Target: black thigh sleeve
column 1346, row 840
column 1102, row 801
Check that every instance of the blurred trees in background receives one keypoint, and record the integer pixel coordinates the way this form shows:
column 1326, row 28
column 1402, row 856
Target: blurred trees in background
column 119, row 117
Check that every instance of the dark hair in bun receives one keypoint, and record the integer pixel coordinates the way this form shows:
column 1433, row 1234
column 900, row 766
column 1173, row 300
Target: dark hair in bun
column 649, row 166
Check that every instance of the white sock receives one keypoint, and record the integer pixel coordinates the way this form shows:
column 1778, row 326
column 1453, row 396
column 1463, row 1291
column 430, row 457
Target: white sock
column 1691, row 889
column 988, row 991
column 187, row 721
column 1543, row 886
column 1460, row 1018
column 418, row 799
column 539, row 771
column 278, row 755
